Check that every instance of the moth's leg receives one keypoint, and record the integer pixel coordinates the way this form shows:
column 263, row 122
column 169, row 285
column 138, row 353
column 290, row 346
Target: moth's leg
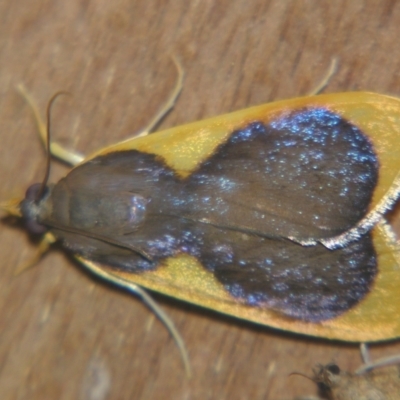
column 365, row 353
column 47, row 240
column 69, row 157
column 325, row 80
column 381, row 362
column 165, row 109
column 12, row 208
column 167, row 106
column 147, row 299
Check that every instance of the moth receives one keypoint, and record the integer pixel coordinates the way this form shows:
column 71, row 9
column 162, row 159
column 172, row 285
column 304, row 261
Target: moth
column 379, row 380
column 273, row 214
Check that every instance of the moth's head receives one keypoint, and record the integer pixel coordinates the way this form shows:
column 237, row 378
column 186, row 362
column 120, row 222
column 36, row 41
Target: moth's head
column 30, row 208
column 327, row 377
column 35, row 204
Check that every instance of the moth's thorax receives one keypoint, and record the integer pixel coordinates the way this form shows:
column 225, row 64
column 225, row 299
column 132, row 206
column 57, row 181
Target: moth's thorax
column 98, row 206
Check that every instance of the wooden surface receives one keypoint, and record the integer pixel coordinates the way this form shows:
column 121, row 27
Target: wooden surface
column 66, row 336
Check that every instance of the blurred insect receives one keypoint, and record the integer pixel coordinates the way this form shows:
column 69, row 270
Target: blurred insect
column 379, row 380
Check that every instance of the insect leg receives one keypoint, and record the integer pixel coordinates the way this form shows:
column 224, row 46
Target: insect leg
column 146, row 298
column 56, row 150
column 168, row 105
column 325, row 80
column 44, row 245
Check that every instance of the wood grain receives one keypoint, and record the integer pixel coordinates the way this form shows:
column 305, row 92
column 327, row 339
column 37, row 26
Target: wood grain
column 67, row 336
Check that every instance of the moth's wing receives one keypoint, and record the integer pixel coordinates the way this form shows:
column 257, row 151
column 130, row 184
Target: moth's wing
column 373, row 319
column 186, row 148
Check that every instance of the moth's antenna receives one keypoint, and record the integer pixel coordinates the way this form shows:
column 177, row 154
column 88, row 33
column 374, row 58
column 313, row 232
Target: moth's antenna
column 40, row 193
column 303, row 375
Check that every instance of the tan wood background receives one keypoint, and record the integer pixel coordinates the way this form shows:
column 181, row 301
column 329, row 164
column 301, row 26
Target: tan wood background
column 64, row 335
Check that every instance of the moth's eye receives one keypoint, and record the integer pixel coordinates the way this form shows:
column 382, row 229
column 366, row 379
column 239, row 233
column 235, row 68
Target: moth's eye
column 32, row 192
column 34, row 227
column 333, row 368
